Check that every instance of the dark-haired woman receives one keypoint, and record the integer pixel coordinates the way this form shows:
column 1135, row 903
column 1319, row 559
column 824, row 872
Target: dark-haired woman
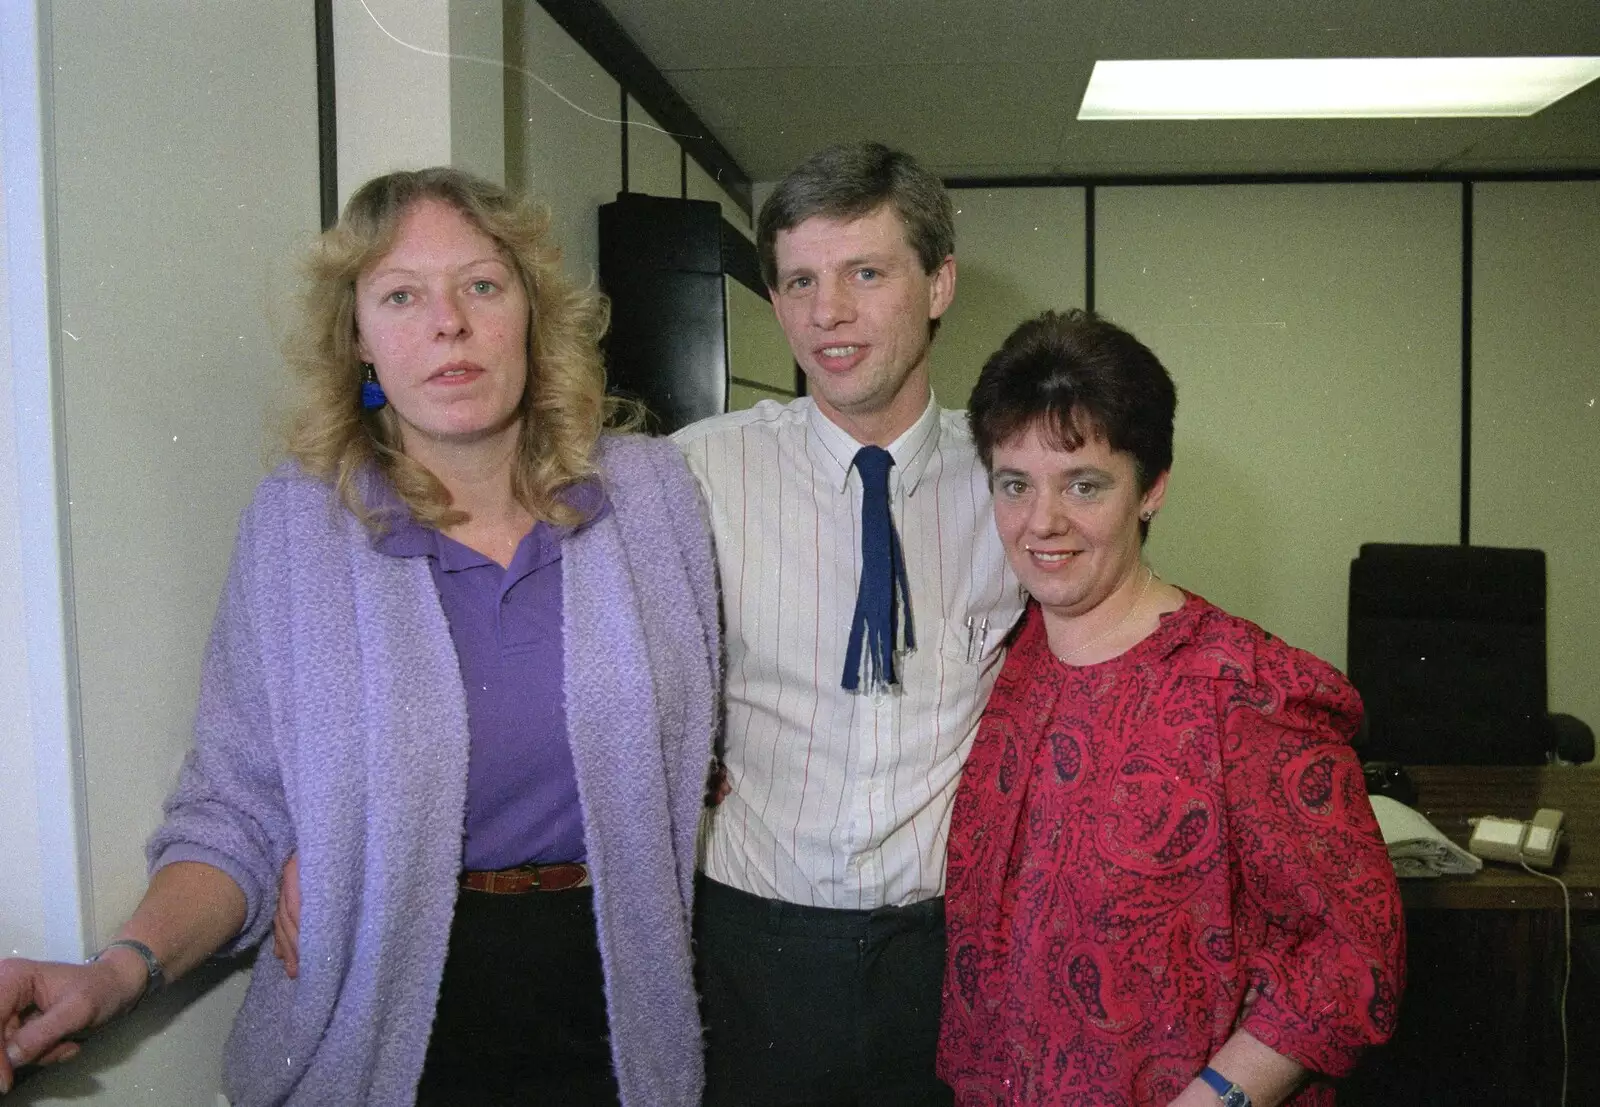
column 1165, row 882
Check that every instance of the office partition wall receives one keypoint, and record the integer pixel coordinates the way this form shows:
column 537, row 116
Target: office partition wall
column 1536, row 406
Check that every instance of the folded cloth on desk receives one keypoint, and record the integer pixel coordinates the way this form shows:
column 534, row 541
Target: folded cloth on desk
column 1416, row 848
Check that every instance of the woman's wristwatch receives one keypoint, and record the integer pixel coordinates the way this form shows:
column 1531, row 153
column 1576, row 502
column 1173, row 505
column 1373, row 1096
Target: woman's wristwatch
column 155, row 974
column 1230, row 1093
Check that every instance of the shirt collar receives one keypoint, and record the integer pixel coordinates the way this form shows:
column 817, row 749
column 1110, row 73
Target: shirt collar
column 403, row 536
column 911, row 451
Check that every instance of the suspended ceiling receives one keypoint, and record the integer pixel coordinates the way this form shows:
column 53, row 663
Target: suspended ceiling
column 990, row 88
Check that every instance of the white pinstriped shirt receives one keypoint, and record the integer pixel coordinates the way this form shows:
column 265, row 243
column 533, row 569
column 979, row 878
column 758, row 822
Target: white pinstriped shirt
column 842, row 799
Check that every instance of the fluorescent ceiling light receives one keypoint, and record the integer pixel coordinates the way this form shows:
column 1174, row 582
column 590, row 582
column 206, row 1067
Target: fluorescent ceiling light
column 1338, row 88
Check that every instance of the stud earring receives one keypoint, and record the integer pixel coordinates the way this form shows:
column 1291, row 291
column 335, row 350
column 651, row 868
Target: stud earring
column 1146, row 516
column 372, row 396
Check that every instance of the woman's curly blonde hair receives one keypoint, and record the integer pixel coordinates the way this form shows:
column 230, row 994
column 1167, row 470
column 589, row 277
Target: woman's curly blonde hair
column 564, row 405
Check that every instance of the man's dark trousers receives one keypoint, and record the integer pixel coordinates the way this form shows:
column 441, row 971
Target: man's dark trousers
column 818, row 1007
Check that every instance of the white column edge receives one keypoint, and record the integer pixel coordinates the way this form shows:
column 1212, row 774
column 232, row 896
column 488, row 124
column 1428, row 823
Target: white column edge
column 46, row 569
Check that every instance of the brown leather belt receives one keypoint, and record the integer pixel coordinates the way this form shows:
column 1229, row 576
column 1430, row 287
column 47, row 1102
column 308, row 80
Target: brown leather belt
column 560, row 877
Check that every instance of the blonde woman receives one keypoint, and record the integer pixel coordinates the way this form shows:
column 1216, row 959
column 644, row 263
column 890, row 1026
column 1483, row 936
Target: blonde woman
column 464, row 671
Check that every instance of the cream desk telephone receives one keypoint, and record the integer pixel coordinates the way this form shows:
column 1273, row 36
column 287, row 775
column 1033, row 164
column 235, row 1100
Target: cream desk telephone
column 1515, row 841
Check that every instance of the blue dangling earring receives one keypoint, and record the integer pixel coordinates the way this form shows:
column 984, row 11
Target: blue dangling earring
column 372, row 396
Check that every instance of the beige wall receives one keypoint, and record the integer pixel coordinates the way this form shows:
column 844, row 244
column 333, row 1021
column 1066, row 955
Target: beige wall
column 1019, row 251
column 402, row 120
column 654, row 168
column 171, row 363
column 703, row 187
column 757, row 350
column 567, row 154
column 185, row 177
column 1536, row 406
column 477, row 87
column 1313, row 334
column 401, row 104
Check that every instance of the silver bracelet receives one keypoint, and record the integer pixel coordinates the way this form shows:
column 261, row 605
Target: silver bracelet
column 155, row 976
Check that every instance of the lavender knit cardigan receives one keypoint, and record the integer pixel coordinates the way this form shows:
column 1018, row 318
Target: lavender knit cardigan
column 332, row 723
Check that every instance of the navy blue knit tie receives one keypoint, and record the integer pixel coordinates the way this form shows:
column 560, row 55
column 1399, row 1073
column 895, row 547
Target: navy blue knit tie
column 883, row 571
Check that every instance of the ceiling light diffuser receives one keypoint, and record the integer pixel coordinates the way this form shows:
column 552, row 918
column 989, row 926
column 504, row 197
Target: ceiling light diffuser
column 1331, row 88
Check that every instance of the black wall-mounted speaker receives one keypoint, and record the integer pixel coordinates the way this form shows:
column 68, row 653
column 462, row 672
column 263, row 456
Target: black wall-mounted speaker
column 663, row 263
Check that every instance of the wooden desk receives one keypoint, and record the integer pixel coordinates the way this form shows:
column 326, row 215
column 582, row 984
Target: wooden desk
column 1450, row 794
column 1479, row 1022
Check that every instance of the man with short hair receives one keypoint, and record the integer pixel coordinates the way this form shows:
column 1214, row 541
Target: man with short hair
column 865, row 597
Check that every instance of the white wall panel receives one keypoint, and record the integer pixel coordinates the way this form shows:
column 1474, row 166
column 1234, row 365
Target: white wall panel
column 22, row 909
column 419, row 84
column 393, row 103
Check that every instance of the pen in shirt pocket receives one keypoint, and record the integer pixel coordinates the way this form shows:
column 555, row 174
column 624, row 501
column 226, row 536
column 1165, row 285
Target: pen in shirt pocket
column 977, row 638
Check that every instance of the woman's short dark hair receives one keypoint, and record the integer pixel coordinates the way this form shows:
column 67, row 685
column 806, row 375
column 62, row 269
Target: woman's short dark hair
column 851, row 180
column 1076, row 376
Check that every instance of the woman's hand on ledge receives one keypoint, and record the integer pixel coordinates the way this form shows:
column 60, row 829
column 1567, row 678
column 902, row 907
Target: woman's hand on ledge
column 189, row 910
column 45, row 1005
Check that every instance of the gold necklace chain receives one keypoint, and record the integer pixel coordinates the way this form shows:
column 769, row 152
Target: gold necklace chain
column 1149, row 575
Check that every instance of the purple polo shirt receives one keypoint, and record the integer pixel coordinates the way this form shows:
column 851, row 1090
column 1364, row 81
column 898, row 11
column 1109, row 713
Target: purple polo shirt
column 522, row 789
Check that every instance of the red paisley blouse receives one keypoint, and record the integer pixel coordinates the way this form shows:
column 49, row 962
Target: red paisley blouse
column 1150, row 852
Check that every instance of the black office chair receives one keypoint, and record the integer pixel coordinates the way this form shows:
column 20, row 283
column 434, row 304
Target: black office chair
column 1447, row 647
